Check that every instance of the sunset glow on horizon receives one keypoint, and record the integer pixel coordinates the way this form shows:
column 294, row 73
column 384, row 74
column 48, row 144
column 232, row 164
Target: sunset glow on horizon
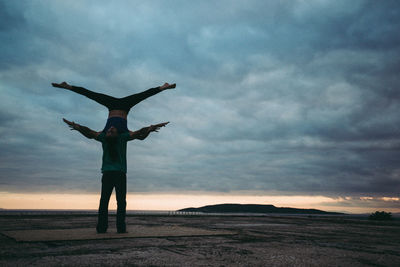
column 171, row 202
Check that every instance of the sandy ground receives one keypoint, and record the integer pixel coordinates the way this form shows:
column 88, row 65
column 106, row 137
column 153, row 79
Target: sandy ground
column 258, row 241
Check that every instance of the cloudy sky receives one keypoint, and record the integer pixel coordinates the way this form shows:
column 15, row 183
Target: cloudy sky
column 274, row 98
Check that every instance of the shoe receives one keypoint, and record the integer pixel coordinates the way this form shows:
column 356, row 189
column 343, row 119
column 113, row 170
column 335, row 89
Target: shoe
column 101, row 230
column 121, row 228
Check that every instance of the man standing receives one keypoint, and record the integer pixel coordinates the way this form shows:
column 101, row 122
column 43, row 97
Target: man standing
column 113, row 168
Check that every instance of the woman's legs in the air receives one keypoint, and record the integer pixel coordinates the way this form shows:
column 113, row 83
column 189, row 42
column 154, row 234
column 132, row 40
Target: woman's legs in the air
column 129, row 101
column 112, row 103
column 105, row 100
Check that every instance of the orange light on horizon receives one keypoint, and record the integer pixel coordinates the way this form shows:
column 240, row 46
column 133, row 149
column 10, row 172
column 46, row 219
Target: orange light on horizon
column 173, row 201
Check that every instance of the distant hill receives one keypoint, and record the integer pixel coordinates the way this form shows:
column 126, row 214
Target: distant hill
column 253, row 208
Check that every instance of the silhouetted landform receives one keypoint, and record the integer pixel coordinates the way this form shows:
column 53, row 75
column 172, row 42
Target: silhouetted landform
column 254, row 208
column 381, row 216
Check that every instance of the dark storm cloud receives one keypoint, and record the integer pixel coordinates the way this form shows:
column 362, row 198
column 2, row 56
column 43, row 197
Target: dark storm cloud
column 288, row 96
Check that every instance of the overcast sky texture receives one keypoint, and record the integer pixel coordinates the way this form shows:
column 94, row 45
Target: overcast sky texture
column 282, row 97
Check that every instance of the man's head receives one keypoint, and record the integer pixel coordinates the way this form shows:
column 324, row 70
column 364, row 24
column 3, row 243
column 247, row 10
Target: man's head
column 112, row 132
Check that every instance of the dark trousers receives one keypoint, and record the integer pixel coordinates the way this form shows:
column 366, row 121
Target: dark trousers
column 110, row 180
column 113, row 103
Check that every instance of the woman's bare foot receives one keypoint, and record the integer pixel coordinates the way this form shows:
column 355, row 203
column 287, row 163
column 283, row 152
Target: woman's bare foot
column 167, row 86
column 62, row 85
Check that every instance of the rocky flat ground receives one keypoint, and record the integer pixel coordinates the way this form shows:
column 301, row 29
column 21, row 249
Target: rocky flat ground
column 257, row 241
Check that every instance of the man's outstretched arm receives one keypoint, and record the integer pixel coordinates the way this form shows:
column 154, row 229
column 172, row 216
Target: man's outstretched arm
column 85, row 131
column 144, row 132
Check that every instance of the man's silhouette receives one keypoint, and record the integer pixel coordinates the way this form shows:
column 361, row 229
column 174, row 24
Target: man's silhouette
column 113, row 167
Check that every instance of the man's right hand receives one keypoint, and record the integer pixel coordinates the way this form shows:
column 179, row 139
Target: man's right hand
column 71, row 124
column 62, row 85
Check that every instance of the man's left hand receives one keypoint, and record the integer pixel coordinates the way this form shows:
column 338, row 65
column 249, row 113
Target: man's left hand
column 156, row 127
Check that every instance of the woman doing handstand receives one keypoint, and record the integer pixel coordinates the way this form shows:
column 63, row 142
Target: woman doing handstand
column 118, row 108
